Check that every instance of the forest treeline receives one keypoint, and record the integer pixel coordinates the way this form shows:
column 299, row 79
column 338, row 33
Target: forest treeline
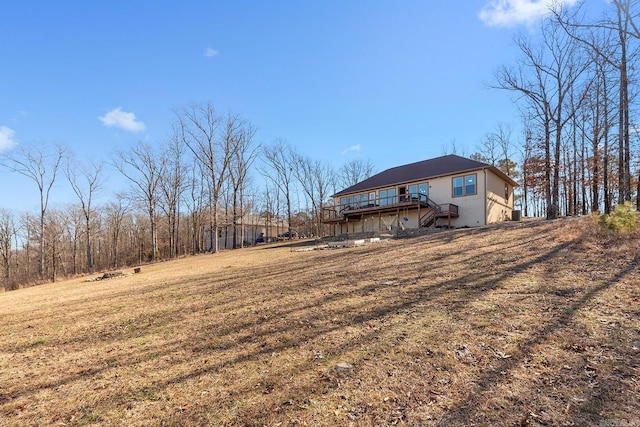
column 574, row 83
column 200, row 190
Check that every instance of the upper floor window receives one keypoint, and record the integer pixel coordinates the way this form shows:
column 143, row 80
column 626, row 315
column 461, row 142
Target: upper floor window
column 419, row 191
column 387, row 197
column 343, row 203
column 464, row 185
column 358, row 201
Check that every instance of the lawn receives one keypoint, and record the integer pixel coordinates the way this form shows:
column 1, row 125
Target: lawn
column 528, row 323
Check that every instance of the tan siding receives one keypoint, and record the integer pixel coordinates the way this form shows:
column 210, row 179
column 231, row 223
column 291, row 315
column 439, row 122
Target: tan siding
column 474, row 210
column 499, row 208
column 471, row 208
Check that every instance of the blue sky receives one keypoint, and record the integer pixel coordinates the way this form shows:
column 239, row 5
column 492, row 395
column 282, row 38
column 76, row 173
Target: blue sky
column 393, row 82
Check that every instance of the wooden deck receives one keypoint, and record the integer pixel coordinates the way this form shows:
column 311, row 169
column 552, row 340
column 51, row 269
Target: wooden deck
column 431, row 209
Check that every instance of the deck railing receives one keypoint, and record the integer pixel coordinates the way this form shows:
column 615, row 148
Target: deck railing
column 432, row 209
column 383, row 202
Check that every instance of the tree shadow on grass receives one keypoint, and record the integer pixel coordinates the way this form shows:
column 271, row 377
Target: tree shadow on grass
column 247, row 329
column 464, row 414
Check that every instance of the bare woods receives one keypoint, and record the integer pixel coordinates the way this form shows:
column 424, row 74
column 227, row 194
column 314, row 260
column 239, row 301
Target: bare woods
column 209, row 186
column 212, row 185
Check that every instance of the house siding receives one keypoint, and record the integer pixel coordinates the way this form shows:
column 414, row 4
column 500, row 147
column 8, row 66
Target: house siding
column 499, row 208
column 470, row 207
column 488, row 204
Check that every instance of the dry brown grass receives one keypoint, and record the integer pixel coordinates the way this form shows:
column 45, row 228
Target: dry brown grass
column 521, row 324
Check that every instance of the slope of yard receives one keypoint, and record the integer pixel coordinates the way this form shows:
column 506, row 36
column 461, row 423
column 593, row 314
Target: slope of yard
column 534, row 323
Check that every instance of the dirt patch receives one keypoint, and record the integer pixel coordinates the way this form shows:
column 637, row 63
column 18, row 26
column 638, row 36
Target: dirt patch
column 532, row 323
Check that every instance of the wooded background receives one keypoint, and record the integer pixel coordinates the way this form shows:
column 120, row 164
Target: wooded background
column 575, row 84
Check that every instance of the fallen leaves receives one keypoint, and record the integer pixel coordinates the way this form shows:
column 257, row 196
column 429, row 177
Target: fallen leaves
column 488, row 326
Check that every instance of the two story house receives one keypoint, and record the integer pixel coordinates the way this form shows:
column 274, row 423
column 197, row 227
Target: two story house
column 448, row 191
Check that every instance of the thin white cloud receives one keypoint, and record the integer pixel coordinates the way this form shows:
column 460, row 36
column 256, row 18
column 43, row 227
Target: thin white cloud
column 509, row 13
column 210, row 53
column 352, row 149
column 123, row 120
column 7, row 141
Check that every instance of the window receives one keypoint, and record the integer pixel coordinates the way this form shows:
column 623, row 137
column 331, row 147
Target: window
column 464, row 186
column 457, row 186
column 387, row 197
column 470, row 184
column 391, row 195
column 419, row 191
column 343, row 203
column 383, row 198
column 423, row 189
column 413, row 192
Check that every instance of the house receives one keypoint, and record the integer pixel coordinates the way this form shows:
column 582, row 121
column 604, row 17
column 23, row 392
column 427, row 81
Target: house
column 450, row 191
column 249, row 230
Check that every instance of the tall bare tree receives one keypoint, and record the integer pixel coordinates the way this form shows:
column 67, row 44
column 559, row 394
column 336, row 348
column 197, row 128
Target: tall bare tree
column 619, row 55
column 85, row 182
column 279, row 169
column 144, row 167
column 315, row 178
column 212, row 141
column 195, row 203
column 544, row 77
column 40, row 164
column 115, row 213
column 57, row 223
column 598, row 119
column 172, row 186
column 355, row 171
column 497, row 150
column 244, row 154
column 7, row 231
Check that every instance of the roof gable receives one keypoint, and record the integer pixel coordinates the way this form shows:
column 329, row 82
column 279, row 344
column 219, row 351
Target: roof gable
column 426, row 169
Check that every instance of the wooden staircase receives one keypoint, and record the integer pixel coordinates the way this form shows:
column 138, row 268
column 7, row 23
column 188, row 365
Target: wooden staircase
column 436, row 211
column 429, row 218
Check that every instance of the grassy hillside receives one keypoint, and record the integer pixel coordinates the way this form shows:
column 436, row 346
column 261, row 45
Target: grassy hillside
column 534, row 323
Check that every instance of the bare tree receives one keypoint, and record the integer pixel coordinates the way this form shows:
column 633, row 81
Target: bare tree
column 617, row 55
column 270, row 209
column 279, row 169
column 303, row 168
column 85, row 182
column 496, row 149
column 213, row 146
column 172, row 186
column 488, row 151
column 623, row 22
column 503, row 138
column 75, row 226
column 315, row 179
column 598, row 118
column 144, row 167
column 355, row 171
column 195, row 203
column 115, row 213
column 7, row 232
column 244, row 154
column 545, row 76
column 57, row 222
column 39, row 164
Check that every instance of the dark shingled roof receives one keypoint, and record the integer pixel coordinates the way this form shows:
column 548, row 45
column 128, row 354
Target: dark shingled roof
column 426, row 169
